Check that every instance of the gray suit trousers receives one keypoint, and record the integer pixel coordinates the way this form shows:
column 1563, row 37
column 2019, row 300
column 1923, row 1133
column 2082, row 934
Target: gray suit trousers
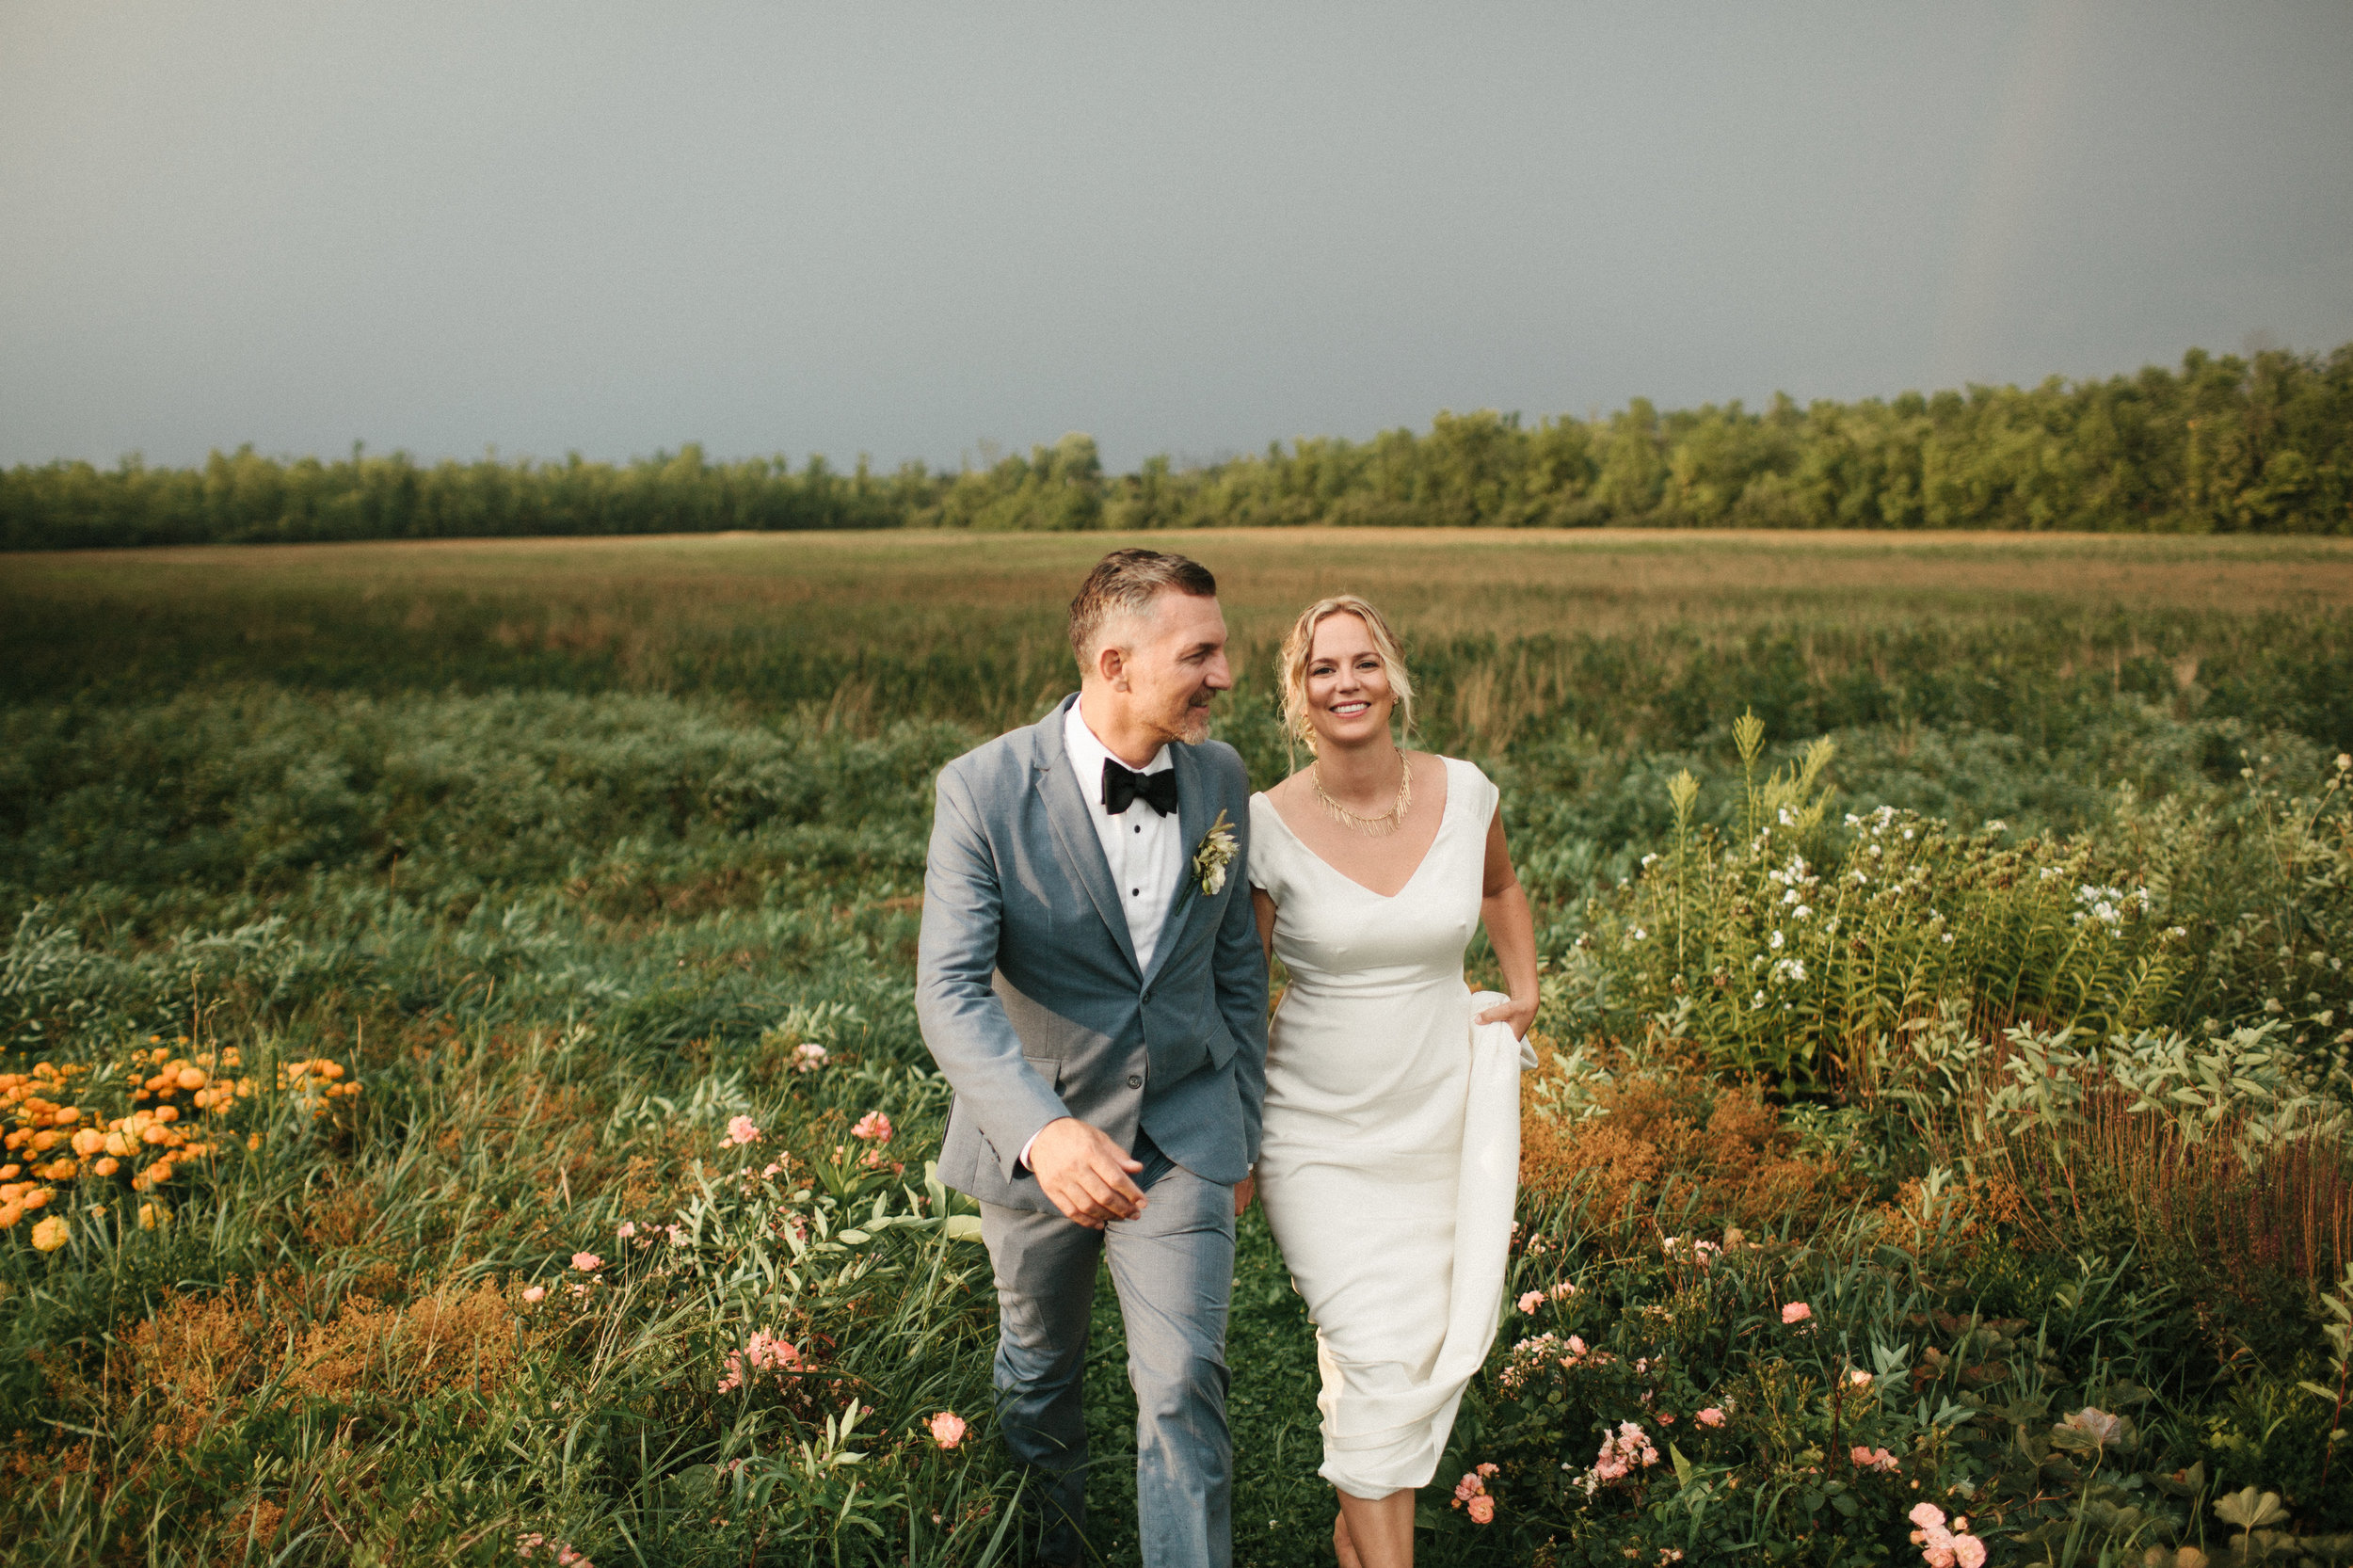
column 1173, row 1267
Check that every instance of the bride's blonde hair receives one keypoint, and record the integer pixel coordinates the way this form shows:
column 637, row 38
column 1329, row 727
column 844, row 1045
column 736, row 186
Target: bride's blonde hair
column 1300, row 642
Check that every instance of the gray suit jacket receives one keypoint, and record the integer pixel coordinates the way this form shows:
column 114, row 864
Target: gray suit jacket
column 1028, row 987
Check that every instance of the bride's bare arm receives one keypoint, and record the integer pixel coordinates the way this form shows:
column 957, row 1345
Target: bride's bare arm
column 1510, row 931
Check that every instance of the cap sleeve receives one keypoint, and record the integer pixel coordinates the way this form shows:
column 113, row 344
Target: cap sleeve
column 1468, row 783
column 1266, row 848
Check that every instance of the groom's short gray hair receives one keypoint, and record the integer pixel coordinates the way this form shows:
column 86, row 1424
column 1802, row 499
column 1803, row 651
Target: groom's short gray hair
column 1126, row 582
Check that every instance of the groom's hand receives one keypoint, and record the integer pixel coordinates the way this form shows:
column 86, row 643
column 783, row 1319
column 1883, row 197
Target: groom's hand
column 1085, row 1174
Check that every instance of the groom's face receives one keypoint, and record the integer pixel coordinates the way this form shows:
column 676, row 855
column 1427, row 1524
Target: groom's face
column 1170, row 663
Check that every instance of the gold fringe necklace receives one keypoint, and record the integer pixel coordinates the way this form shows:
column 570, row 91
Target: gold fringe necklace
column 1382, row 825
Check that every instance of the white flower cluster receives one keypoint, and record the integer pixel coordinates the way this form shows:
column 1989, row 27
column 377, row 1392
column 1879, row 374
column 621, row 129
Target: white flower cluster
column 2107, row 904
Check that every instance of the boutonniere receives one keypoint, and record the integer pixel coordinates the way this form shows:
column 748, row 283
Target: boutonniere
column 1217, row 851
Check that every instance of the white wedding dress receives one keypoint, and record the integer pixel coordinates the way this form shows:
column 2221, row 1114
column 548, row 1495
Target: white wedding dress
column 1390, row 1157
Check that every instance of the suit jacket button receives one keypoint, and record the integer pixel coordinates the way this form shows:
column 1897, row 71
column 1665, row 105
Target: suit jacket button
column 1135, row 1080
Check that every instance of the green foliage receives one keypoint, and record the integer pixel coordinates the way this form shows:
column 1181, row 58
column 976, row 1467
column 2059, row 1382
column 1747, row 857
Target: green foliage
column 2222, row 445
column 1779, row 965
column 574, row 867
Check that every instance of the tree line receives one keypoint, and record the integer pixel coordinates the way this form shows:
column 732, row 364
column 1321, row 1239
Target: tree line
column 2224, row 445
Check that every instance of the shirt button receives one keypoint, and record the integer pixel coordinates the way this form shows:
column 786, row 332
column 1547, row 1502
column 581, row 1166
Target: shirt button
column 1135, row 1080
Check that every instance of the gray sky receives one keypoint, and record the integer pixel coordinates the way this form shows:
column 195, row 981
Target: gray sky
column 908, row 230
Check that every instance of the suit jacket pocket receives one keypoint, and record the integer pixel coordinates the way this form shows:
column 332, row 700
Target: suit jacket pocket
column 1049, row 1069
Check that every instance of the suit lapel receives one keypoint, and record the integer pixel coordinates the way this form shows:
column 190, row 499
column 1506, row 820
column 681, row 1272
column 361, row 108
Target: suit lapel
column 1195, row 810
column 1070, row 817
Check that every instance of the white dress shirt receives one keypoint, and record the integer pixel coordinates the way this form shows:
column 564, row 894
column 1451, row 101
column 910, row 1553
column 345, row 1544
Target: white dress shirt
column 1144, row 849
column 1142, row 846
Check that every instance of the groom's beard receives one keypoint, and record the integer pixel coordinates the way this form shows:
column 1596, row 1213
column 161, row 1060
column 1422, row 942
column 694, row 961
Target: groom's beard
column 1193, row 728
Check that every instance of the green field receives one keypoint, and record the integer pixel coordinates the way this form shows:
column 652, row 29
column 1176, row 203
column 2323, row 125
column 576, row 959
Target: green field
column 564, row 851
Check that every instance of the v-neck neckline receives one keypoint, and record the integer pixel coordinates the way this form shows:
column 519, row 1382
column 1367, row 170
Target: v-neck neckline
column 1446, row 809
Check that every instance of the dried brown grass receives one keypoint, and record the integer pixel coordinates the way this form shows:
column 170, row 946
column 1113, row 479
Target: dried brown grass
column 2141, row 1176
column 1669, row 1138
column 201, row 1359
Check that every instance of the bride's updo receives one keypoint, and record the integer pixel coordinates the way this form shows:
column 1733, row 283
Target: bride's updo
column 1293, row 663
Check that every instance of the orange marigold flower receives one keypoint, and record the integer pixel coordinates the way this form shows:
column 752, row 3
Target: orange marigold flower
column 51, row 1234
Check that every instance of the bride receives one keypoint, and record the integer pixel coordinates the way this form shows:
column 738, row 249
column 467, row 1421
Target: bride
column 1391, row 1144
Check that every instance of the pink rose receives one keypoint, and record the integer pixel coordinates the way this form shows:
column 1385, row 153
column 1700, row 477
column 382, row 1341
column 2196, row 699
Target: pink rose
column 1795, row 1312
column 1468, row 1487
column 1968, row 1551
column 587, row 1262
column 629, row 1228
column 532, row 1293
column 1711, row 1416
column 873, row 1125
column 948, row 1429
column 1482, row 1509
column 1858, row 1378
column 1530, row 1302
column 741, row 1129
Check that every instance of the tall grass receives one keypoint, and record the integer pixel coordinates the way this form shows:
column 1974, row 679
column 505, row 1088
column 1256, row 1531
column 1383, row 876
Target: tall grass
column 571, row 857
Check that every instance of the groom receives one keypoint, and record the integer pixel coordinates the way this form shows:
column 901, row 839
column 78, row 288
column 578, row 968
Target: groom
column 1090, row 979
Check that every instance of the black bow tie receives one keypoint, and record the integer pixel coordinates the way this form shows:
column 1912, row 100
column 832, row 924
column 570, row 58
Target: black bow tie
column 1123, row 787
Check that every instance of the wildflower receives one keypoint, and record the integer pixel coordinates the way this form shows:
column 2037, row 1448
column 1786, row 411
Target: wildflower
column 1468, row 1487
column 1488, row 1467
column 1481, row 1509
column 808, row 1058
column 2097, row 1424
column 1561, row 1291
column 1941, row 1547
column 773, row 1169
column 1874, row 1459
column 741, row 1129
column 1795, row 1312
column 1530, row 1302
column 588, row 1263
column 1774, row 941
column 50, row 1234
column 629, row 1228
column 873, row 1125
column 763, row 1352
column 948, row 1429
column 1620, row 1453
column 534, row 1292
column 1858, row 1378
column 1711, row 1416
